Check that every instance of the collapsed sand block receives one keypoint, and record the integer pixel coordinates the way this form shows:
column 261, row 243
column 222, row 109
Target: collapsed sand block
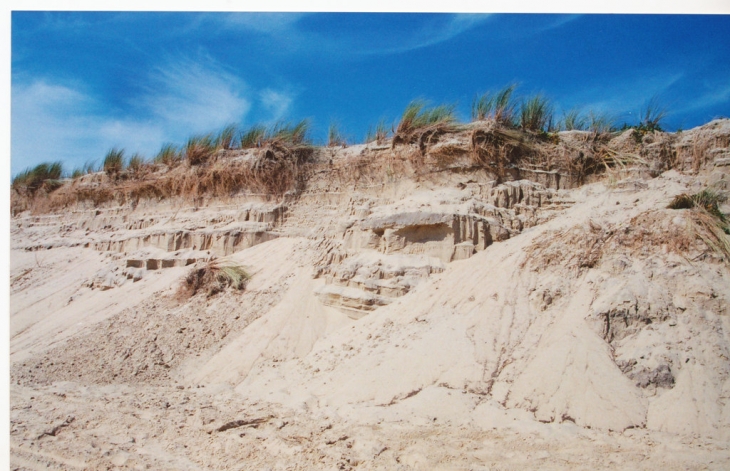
column 371, row 280
column 463, row 251
column 134, row 274
column 354, row 302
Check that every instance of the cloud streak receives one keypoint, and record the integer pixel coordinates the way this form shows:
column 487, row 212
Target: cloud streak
column 432, row 31
column 195, row 97
column 261, row 22
column 276, row 103
column 52, row 122
column 432, row 35
column 715, row 96
column 625, row 97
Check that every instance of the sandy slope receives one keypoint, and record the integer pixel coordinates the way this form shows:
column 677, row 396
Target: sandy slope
column 587, row 341
column 479, row 327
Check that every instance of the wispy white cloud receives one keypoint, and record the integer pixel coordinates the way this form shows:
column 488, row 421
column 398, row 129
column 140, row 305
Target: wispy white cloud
column 429, row 35
column 276, row 103
column 64, row 21
column 139, row 136
column 716, row 94
column 560, row 21
column 51, row 121
column 433, row 30
column 55, row 122
column 624, row 98
column 270, row 23
column 196, row 96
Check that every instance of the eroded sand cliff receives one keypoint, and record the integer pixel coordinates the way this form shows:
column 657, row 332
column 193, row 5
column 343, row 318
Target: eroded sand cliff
column 410, row 307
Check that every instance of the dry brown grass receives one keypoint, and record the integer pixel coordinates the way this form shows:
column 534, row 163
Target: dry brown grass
column 277, row 168
column 199, row 149
column 447, row 154
column 281, row 161
column 696, row 154
column 499, row 148
column 581, row 247
column 273, row 170
column 707, row 228
column 423, row 125
column 213, row 277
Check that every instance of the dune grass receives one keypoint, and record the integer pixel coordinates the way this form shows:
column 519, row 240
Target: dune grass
column 199, row 149
column 423, row 124
column 707, row 221
column 282, row 158
column 135, row 162
column 86, row 169
column 379, row 134
column 652, row 115
column 91, row 167
column 45, row 175
column 707, row 199
column 334, row 136
column 536, row 114
column 113, row 162
column 713, row 232
column 224, row 139
column 600, row 122
column 168, row 155
column 289, row 133
column 419, row 115
column 253, row 137
column 285, row 133
column 573, row 120
column 499, row 106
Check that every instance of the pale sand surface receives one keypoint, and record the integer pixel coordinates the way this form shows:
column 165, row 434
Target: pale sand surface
column 520, row 356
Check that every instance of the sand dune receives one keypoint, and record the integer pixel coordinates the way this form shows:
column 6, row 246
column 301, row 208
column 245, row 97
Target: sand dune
column 441, row 322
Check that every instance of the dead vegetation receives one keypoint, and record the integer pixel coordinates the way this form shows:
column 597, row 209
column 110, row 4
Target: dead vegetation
column 707, row 199
column 279, row 160
column 273, row 170
column 709, row 223
column 498, row 148
column 575, row 249
column 423, row 125
column 696, row 234
column 212, row 278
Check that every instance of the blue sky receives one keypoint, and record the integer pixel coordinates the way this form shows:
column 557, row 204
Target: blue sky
column 83, row 82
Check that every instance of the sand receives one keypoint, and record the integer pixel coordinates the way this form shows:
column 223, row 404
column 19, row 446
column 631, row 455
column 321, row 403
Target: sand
column 382, row 328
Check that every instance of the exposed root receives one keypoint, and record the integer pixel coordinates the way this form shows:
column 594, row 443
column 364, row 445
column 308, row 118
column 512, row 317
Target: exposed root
column 498, row 149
